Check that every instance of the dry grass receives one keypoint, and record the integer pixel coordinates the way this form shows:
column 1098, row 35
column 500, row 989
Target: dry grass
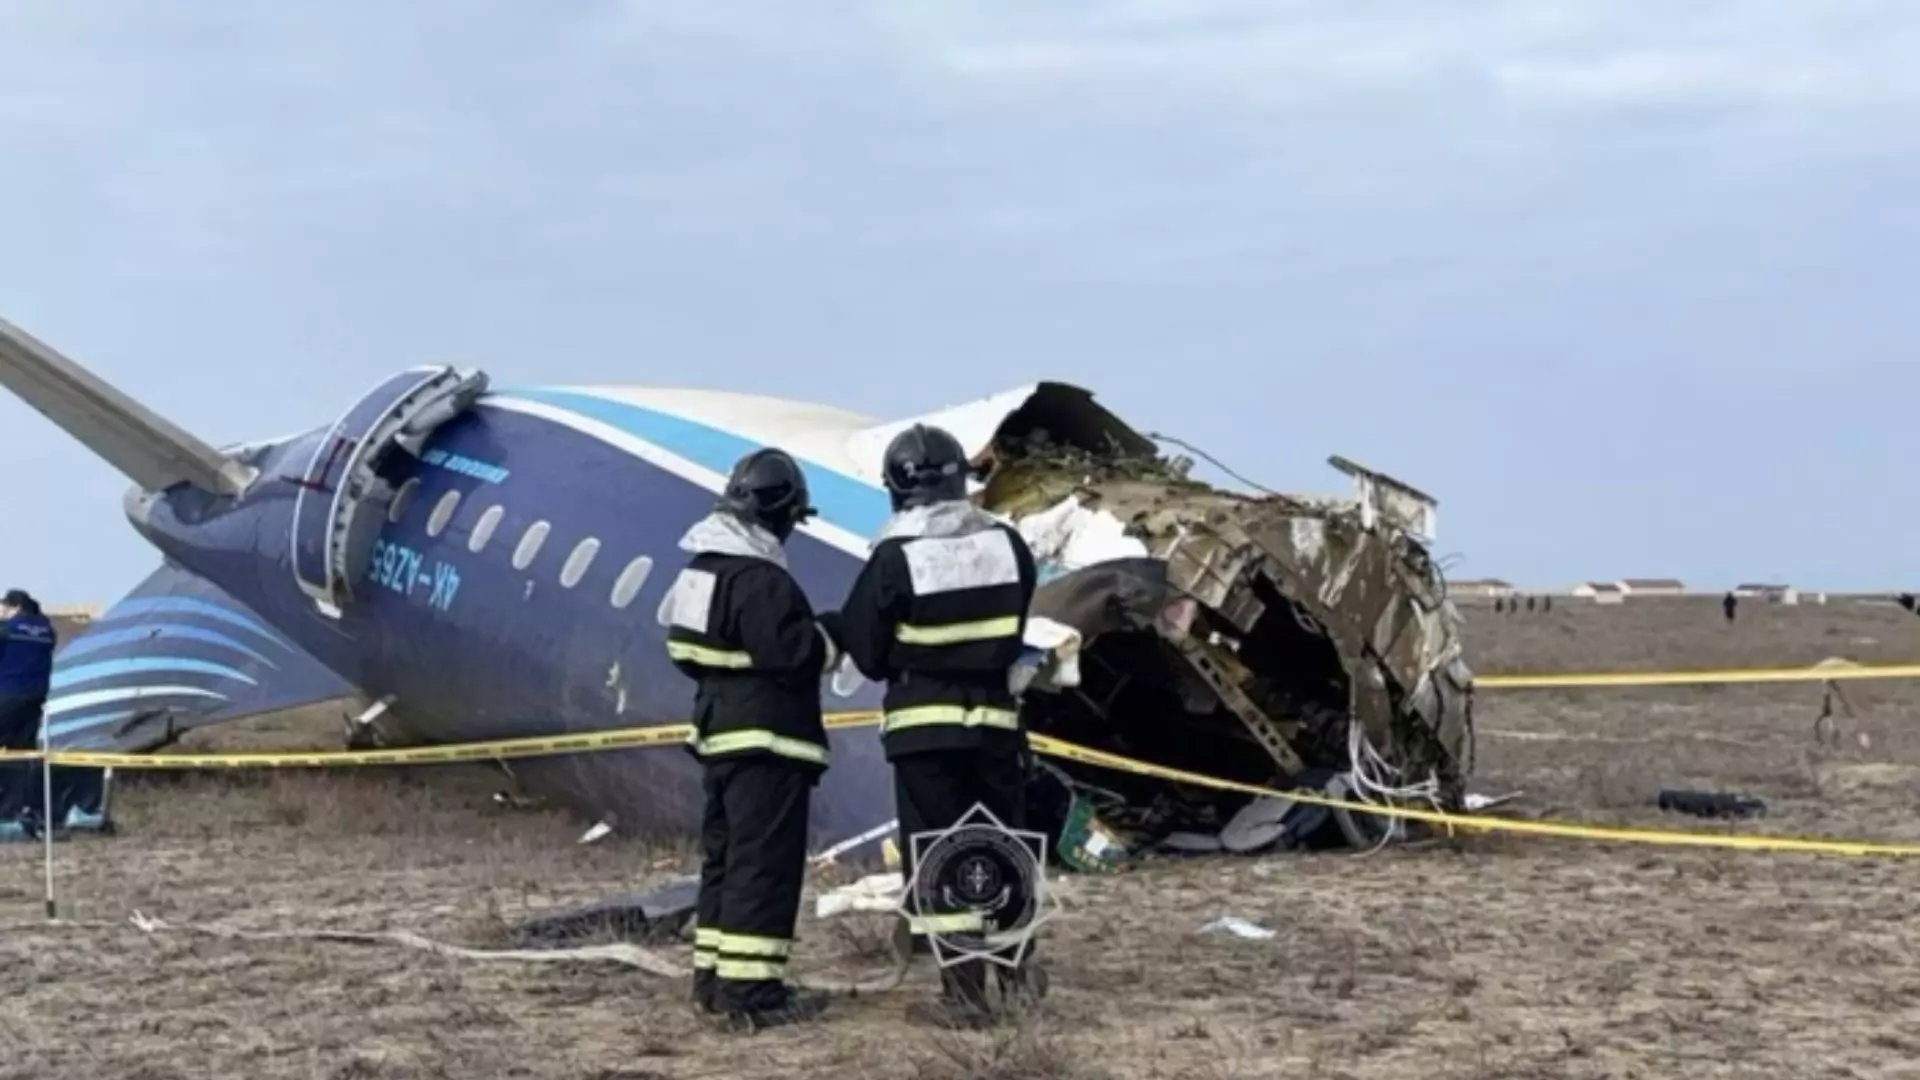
column 1490, row 958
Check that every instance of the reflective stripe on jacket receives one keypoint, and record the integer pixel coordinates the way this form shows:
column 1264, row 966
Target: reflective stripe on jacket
column 938, row 613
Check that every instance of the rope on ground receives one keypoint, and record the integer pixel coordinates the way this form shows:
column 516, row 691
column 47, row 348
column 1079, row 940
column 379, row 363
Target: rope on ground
column 622, row 953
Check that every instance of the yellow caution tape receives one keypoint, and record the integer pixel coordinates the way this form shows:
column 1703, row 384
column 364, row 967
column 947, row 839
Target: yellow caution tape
column 663, row 734
column 1695, row 678
column 1568, row 830
column 674, row 734
column 497, row 750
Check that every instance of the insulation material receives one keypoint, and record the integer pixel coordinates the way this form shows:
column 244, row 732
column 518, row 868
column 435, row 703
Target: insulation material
column 1067, row 536
column 1051, row 660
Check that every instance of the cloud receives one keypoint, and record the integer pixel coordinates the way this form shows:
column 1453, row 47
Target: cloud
column 1294, row 54
column 1496, row 211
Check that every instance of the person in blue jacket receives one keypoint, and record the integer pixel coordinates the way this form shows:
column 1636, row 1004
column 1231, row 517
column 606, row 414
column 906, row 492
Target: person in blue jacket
column 26, row 668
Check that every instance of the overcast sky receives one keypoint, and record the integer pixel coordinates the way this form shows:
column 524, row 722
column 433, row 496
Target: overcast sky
column 1629, row 285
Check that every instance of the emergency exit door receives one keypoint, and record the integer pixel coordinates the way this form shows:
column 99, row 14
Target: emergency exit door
column 342, row 478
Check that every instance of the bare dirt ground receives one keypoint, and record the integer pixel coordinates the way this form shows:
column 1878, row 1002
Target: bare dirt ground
column 1491, row 958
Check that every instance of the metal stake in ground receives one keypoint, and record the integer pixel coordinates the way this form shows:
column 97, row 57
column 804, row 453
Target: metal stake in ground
column 46, row 816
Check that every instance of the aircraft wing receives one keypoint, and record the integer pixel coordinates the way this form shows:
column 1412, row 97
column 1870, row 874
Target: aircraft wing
column 176, row 654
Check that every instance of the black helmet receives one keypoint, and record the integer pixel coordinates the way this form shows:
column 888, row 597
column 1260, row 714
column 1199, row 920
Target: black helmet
column 925, row 465
column 768, row 489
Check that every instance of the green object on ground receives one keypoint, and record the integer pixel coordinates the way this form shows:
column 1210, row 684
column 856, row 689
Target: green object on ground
column 1086, row 844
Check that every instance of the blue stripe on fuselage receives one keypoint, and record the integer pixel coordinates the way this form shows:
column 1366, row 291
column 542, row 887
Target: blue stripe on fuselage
column 107, row 639
column 852, row 504
column 105, row 669
column 174, row 605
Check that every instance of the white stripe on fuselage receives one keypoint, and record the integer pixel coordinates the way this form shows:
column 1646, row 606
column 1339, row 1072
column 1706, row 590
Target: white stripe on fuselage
column 824, row 531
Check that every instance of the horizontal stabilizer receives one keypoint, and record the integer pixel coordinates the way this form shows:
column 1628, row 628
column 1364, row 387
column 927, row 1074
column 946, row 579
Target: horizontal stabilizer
column 148, row 448
column 177, row 653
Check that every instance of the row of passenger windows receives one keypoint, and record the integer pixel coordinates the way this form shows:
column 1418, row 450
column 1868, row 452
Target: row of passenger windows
column 625, row 587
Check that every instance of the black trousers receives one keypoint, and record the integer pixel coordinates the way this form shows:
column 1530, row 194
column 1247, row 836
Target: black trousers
column 935, row 789
column 753, row 836
column 20, row 780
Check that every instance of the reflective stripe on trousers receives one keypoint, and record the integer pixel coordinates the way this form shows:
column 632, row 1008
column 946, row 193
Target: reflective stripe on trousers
column 958, row 923
column 749, row 957
column 706, row 944
column 955, row 715
column 733, row 742
column 955, row 633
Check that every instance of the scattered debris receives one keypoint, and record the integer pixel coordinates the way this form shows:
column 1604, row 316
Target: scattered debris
column 883, row 831
column 875, row 893
column 1238, row 927
column 1709, row 804
column 1187, row 843
column 657, row 914
column 1086, row 844
column 600, row 831
column 1259, row 825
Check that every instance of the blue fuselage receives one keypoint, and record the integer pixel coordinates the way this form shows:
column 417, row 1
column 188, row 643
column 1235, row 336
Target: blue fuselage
column 483, row 635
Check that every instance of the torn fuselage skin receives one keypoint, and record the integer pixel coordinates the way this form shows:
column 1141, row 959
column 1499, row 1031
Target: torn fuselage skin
column 1270, row 640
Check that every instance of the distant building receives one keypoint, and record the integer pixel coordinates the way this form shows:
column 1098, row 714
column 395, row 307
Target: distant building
column 80, row 613
column 1601, row 592
column 1651, row 587
column 1485, row 588
column 1772, row 594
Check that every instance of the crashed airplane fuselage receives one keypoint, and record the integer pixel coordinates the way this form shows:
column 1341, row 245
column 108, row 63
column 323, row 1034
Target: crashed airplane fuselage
column 483, row 564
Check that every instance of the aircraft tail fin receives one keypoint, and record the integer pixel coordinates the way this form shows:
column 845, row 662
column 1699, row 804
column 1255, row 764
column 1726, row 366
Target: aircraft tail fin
column 151, row 450
column 177, row 653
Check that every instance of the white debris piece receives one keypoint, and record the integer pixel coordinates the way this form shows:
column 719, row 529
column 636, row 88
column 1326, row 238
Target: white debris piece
column 873, row 893
column 1238, row 927
column 1051, row 660
column 1069, row 536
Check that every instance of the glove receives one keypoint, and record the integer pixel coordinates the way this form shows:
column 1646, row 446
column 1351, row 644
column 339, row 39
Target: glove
column 829, row 626
column 831, row 623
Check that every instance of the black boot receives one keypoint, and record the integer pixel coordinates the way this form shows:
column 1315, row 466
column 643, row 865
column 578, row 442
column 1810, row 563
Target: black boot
column 706, row 990
column 962, row 1002
column 776, row 1008
column 1024, row 986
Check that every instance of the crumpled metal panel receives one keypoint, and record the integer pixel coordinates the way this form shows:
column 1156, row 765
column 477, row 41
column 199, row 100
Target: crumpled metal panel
column 1371, row 587
column 1352, row 566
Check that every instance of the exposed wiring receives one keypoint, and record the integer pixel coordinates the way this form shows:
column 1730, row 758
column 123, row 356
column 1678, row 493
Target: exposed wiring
column 1372, row 777
column 1210, row 459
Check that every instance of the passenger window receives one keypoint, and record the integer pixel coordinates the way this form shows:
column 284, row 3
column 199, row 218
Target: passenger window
column 402, row 499
column 631, row 579
column 578, row 562
column 484, row 528
column 530, row 545
column 443, row 513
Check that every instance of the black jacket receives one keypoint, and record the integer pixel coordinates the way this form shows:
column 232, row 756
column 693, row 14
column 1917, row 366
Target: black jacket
column 739, row 625
column 939, row 613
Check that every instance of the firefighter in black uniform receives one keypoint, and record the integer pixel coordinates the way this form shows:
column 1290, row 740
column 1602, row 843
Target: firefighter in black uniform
column 938, row 613
column 738, row 624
